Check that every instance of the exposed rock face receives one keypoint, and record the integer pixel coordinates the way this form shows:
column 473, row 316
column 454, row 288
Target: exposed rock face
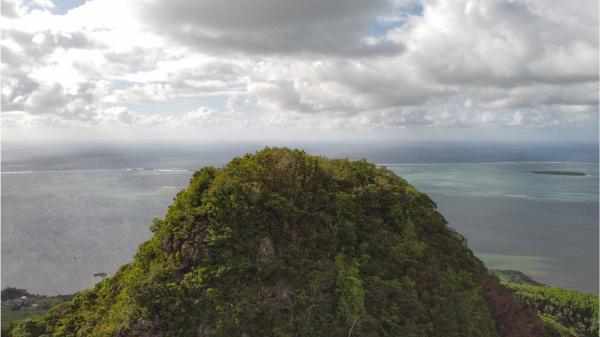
column 192, row 252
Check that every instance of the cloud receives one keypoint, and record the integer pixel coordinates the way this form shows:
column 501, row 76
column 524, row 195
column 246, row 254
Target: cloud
column 269, row 26
column 495, row 54
column 200, row 116
column 239, row 102
column 134, row 60
column 116, row 116
column 315, row 64
column 151, row 92
column 17, row 86
column 9, row 9
column 278, row 95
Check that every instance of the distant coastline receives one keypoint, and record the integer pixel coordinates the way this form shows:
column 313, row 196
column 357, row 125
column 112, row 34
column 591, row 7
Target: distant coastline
column 560, row 173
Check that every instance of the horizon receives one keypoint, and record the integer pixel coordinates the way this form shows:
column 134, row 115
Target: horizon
column 125, row 155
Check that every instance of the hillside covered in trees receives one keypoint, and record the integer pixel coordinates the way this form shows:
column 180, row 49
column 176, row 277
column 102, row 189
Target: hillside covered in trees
column 280, row 243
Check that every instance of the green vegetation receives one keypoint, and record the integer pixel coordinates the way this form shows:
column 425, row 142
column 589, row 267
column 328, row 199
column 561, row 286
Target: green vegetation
column 14, row 309
column 565, row 312
column 351, row 294
column 513, row 276
column 575, row 312
column 10, row 293
column 280, row 243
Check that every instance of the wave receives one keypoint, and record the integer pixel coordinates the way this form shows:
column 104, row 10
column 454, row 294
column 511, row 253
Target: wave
column 95, row 171
column 538, row 162
column 172, row 170
column 134, row 169
column 487, row 163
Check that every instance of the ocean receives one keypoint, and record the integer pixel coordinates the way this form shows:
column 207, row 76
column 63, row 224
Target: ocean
column 70, row 211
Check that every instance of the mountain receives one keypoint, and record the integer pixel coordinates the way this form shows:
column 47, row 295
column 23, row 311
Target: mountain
column 281, row 243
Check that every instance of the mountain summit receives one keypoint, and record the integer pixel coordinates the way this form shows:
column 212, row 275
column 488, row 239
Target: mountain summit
column 280, row 243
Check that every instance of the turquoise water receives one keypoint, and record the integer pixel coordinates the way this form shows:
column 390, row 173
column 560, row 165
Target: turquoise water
column 511, row 180
column 543, row 225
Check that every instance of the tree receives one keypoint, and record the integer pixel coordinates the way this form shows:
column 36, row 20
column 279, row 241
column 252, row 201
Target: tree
column 350, row 290
column 10, row 293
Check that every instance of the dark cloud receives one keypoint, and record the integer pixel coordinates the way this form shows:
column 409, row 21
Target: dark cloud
column 269, row 26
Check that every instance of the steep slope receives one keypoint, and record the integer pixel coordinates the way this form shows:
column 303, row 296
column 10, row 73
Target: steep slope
column 280, row 243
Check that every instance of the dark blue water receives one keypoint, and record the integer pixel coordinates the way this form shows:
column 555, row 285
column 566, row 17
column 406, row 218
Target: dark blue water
column 69, row 211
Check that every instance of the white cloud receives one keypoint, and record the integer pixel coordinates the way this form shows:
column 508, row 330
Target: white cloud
column 116, row 116
column 151, row 92
column 239, row 102
column 324, row 64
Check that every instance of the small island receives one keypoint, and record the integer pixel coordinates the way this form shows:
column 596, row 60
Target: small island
column 560, row 173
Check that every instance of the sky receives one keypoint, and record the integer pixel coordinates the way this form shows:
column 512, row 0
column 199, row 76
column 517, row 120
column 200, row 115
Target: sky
column 312, row 69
